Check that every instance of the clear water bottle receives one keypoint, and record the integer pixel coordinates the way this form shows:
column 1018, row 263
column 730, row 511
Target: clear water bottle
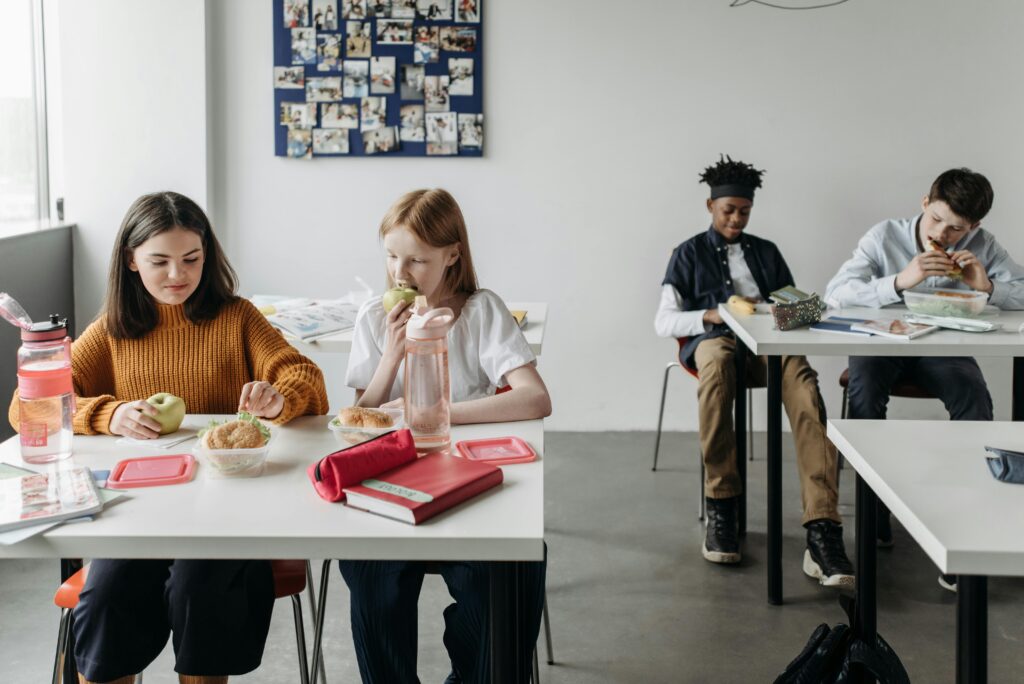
column 427, row 386
column 45, row 392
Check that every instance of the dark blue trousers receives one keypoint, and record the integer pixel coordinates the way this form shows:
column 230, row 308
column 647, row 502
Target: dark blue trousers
column 218, row 610
column 384, row 597
column 957, row 381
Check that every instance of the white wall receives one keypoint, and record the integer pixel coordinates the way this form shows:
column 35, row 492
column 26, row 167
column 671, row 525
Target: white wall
column 597, row 123
column 131, row 118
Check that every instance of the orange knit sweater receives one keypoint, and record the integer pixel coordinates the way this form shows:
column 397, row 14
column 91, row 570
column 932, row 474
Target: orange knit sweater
column 205, row 364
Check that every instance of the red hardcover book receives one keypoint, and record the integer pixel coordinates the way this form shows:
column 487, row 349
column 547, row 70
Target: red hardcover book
column 423, row 488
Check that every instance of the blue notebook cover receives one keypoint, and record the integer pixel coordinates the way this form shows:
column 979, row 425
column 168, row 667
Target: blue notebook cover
column 838, row 324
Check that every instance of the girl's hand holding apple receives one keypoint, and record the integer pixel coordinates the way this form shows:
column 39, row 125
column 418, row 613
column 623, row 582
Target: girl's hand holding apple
column 136, row 419
column 394, row 345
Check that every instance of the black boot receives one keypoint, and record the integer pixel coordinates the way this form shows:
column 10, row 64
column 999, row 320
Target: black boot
column 825, row 558
column 721, row 544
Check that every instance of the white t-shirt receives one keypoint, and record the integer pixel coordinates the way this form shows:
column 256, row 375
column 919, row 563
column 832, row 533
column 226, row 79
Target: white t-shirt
column 484, row 344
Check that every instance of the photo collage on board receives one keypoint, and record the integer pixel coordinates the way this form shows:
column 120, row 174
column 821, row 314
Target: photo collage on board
column 365, row 77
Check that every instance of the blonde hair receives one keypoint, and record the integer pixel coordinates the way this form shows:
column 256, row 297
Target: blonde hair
column 434, row 217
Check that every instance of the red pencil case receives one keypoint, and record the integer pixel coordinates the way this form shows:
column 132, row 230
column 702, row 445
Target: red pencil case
column 349, row 467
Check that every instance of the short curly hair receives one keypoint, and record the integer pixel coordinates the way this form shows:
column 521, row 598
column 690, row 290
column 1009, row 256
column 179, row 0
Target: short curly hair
column 729, row 172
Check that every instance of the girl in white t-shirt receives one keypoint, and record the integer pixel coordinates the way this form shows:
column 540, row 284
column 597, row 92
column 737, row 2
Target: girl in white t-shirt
column 427, row 247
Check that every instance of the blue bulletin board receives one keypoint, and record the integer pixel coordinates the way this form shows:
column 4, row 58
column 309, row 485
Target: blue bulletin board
column 388, row 78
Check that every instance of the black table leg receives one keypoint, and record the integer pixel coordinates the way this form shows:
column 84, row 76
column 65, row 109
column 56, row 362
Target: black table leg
column 972, row 628
column 866, row 624
column 1017, row 391
column 740, row 424
column 775, row 480
column 504, row 623
column 68, row 567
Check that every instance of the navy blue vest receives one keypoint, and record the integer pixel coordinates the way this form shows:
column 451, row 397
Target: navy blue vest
column 699, row 271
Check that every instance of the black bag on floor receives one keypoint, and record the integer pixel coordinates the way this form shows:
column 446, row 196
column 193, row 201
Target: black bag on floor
column 830, row 654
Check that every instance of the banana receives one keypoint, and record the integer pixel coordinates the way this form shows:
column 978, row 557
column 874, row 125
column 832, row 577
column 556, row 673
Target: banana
column 740, row 304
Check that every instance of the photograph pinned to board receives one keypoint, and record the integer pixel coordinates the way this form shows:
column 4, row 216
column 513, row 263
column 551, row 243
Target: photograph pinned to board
column 357, row 76
column 435, row 92
column 325, row 15
column 303, row 46
column 427, row 47
column 403, row 9
column 354, row 9
column 330, row 141
column 300, row 143
column 290, row 77
column 359, row 41
column 337, row 63
column 471, row 131
column 460, row 74
column 373, row 113
column 298, row 114
column 413, row 127
column 468, row 11
column 380, row 141
column 434, row 10
column 458, row 39
column 382, row 75
column 296, row 13
column 323, row 89
column 328, row 52
column 412, row 82
column 394, row 31
column 442, row 136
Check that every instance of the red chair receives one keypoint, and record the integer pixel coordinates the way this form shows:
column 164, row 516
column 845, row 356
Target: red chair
column 289, row 580
column 661, row 414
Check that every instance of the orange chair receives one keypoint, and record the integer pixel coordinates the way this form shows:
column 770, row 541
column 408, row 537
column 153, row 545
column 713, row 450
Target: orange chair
column 289, row 580
column 661, row 414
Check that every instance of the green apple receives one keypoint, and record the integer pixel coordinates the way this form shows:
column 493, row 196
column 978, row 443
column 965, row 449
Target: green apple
column 172, row 411
column 400, row 293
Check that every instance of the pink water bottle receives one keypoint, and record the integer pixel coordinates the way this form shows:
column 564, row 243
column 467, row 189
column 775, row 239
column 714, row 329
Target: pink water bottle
column 45, row 392
column 427, row 386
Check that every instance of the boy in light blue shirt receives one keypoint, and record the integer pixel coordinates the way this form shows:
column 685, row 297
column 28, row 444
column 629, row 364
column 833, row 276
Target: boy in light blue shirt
column 943, row 246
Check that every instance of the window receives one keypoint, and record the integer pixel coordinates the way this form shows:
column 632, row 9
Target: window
column 24, row 195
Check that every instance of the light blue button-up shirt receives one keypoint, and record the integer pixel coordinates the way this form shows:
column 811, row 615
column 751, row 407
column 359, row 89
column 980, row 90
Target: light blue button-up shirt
column 869, row 277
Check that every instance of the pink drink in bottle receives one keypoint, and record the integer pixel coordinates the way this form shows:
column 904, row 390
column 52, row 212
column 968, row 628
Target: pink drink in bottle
column 45, row 393
column 427, row 387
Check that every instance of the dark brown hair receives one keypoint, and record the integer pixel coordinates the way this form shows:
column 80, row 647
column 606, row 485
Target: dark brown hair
column 968, row 194
column 129, row 310
column 434, row 217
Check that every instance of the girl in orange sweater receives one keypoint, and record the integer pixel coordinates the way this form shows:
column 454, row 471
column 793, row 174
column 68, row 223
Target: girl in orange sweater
column 173, row 323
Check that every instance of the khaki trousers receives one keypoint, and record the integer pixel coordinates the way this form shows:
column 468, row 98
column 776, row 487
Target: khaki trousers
column 716, row 391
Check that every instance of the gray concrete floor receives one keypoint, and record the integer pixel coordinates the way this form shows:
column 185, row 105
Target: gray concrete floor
column 631, row 599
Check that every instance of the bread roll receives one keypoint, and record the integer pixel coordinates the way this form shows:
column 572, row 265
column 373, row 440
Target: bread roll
column 357, row 416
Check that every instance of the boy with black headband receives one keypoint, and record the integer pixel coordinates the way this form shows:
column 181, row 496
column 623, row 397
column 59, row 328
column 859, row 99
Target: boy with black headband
column 705, row 270
column 899, row 254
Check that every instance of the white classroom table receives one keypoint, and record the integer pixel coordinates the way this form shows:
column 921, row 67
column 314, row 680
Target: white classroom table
column 341, row 343
column 934, row 478
column 757, row 333
column 279, row 515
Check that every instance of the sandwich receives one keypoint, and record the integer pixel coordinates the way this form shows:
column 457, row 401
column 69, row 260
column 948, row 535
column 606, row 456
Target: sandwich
column 955, row 272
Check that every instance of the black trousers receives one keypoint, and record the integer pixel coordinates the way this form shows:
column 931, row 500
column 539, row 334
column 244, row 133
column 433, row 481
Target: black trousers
column 218, row 610
column 957, row 381
column 384, row 597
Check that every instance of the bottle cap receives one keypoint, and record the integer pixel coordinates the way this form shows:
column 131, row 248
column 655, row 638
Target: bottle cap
column 428, row 324
column 42, row 331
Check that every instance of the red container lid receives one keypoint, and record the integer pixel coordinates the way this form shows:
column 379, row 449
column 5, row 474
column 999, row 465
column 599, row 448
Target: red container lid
column 152, row 471
column 496, row 451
